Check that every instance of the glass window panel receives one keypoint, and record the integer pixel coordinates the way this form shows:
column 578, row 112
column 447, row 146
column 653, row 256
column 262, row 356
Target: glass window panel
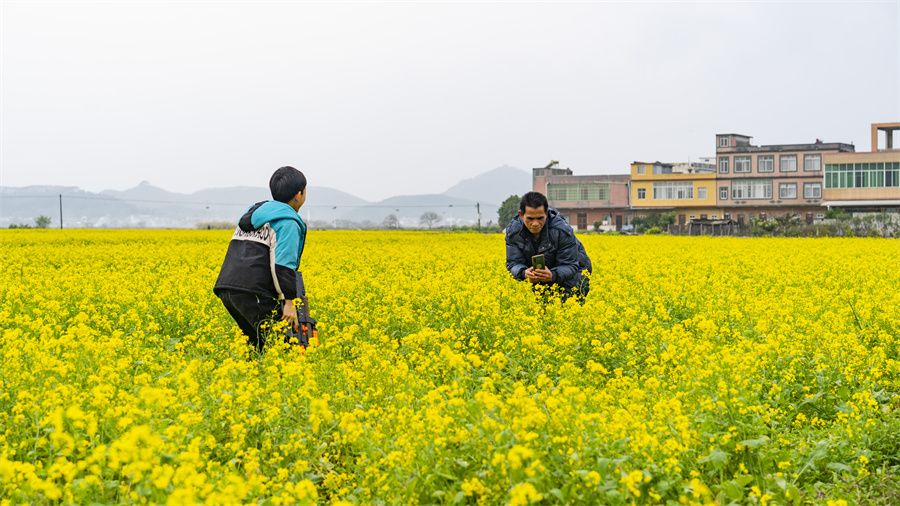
column 788, row 163
column 723, row 165
column 812, row 163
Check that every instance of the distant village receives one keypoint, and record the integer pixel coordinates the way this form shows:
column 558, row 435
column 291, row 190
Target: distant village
column 743, row 183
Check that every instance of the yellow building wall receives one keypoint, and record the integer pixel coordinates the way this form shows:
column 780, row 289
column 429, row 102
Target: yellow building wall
column 645, row 181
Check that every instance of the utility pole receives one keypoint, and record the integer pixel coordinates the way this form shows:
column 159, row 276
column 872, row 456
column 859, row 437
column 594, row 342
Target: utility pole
column 60, row 211
column 478, row 210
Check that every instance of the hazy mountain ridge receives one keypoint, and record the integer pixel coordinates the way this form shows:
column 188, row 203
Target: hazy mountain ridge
column 409, row 209
column 493, row 186
column 146, row 205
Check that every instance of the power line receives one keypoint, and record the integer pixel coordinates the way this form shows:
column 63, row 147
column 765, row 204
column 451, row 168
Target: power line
column 183, row 203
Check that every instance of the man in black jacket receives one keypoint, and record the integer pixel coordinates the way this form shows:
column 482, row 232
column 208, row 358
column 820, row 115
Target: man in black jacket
column 539, row 230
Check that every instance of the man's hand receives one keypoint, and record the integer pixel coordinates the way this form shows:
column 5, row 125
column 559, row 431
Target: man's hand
column 290, row 313
column 539, row 275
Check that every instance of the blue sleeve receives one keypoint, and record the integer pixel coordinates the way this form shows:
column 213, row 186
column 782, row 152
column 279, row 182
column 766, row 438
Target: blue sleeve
column 287, row 250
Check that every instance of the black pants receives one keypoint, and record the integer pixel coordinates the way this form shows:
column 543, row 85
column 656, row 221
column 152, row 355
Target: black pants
column 250, row 311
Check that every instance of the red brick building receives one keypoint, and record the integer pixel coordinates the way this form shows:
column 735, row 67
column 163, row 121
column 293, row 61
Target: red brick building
column 584, row 200
column 767, row 181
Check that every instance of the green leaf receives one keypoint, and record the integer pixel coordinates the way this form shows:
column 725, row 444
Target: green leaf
column 446, row 476
column 755, row 443
column 743, row 481
column 837, row 466
column 733, row 490
column 716, row 458
column 792, row 493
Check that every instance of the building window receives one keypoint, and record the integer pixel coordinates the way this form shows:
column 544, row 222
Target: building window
column 765, row 163
column 788, row 163
column 642, row 193
column 751, row 189
column 673, row 191
column 723, row 165
column 787, row 190
column 812, row 190
column 723, row 193
column 701, row 193
column 862, row 175
column 641, row 169
column 741, row 164
column 723, row 141
column 578, row 192
column 812, row 163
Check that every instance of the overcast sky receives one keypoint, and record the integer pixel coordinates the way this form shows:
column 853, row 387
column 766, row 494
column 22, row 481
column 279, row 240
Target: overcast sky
column 380, row 99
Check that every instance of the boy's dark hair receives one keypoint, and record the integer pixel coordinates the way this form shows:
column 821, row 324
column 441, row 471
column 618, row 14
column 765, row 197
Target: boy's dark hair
column 285, row 183
column 533, row 200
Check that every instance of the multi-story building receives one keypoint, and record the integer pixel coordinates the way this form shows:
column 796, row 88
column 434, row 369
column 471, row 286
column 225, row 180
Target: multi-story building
column 861, row 182
column 766, row 181
column 584, row 200
column 686, row 189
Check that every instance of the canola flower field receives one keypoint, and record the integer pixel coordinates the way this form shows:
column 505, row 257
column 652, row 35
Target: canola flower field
column 700, row 370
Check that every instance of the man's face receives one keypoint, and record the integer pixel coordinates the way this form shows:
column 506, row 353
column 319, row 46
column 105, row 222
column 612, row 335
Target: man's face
column 534, row 219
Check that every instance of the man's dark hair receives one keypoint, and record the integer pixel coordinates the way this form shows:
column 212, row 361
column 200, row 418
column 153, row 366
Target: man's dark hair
column 533, row 200
column 285, row 183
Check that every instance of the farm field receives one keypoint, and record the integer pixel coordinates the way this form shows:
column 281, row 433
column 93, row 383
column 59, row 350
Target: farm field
column 700, row 370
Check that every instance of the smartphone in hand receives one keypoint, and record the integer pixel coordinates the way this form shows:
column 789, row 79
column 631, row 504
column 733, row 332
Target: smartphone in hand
column 537, row 261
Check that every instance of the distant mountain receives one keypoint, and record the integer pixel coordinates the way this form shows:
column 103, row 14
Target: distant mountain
column 146, row 205
column 22, row 205
column 322, row 196
column 410, row 208
column 493, row 186
column 145, row 191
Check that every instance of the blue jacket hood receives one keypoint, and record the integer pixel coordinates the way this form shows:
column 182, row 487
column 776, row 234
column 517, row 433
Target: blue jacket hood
column 273, row 210
column 289, row 229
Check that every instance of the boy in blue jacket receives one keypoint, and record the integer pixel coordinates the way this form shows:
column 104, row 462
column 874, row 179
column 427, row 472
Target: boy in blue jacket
column 259, row 279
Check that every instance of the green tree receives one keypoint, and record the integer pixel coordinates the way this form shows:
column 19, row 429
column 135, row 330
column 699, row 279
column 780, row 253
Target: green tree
column 42, row 221
column 508, row 210
column 660, row 222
